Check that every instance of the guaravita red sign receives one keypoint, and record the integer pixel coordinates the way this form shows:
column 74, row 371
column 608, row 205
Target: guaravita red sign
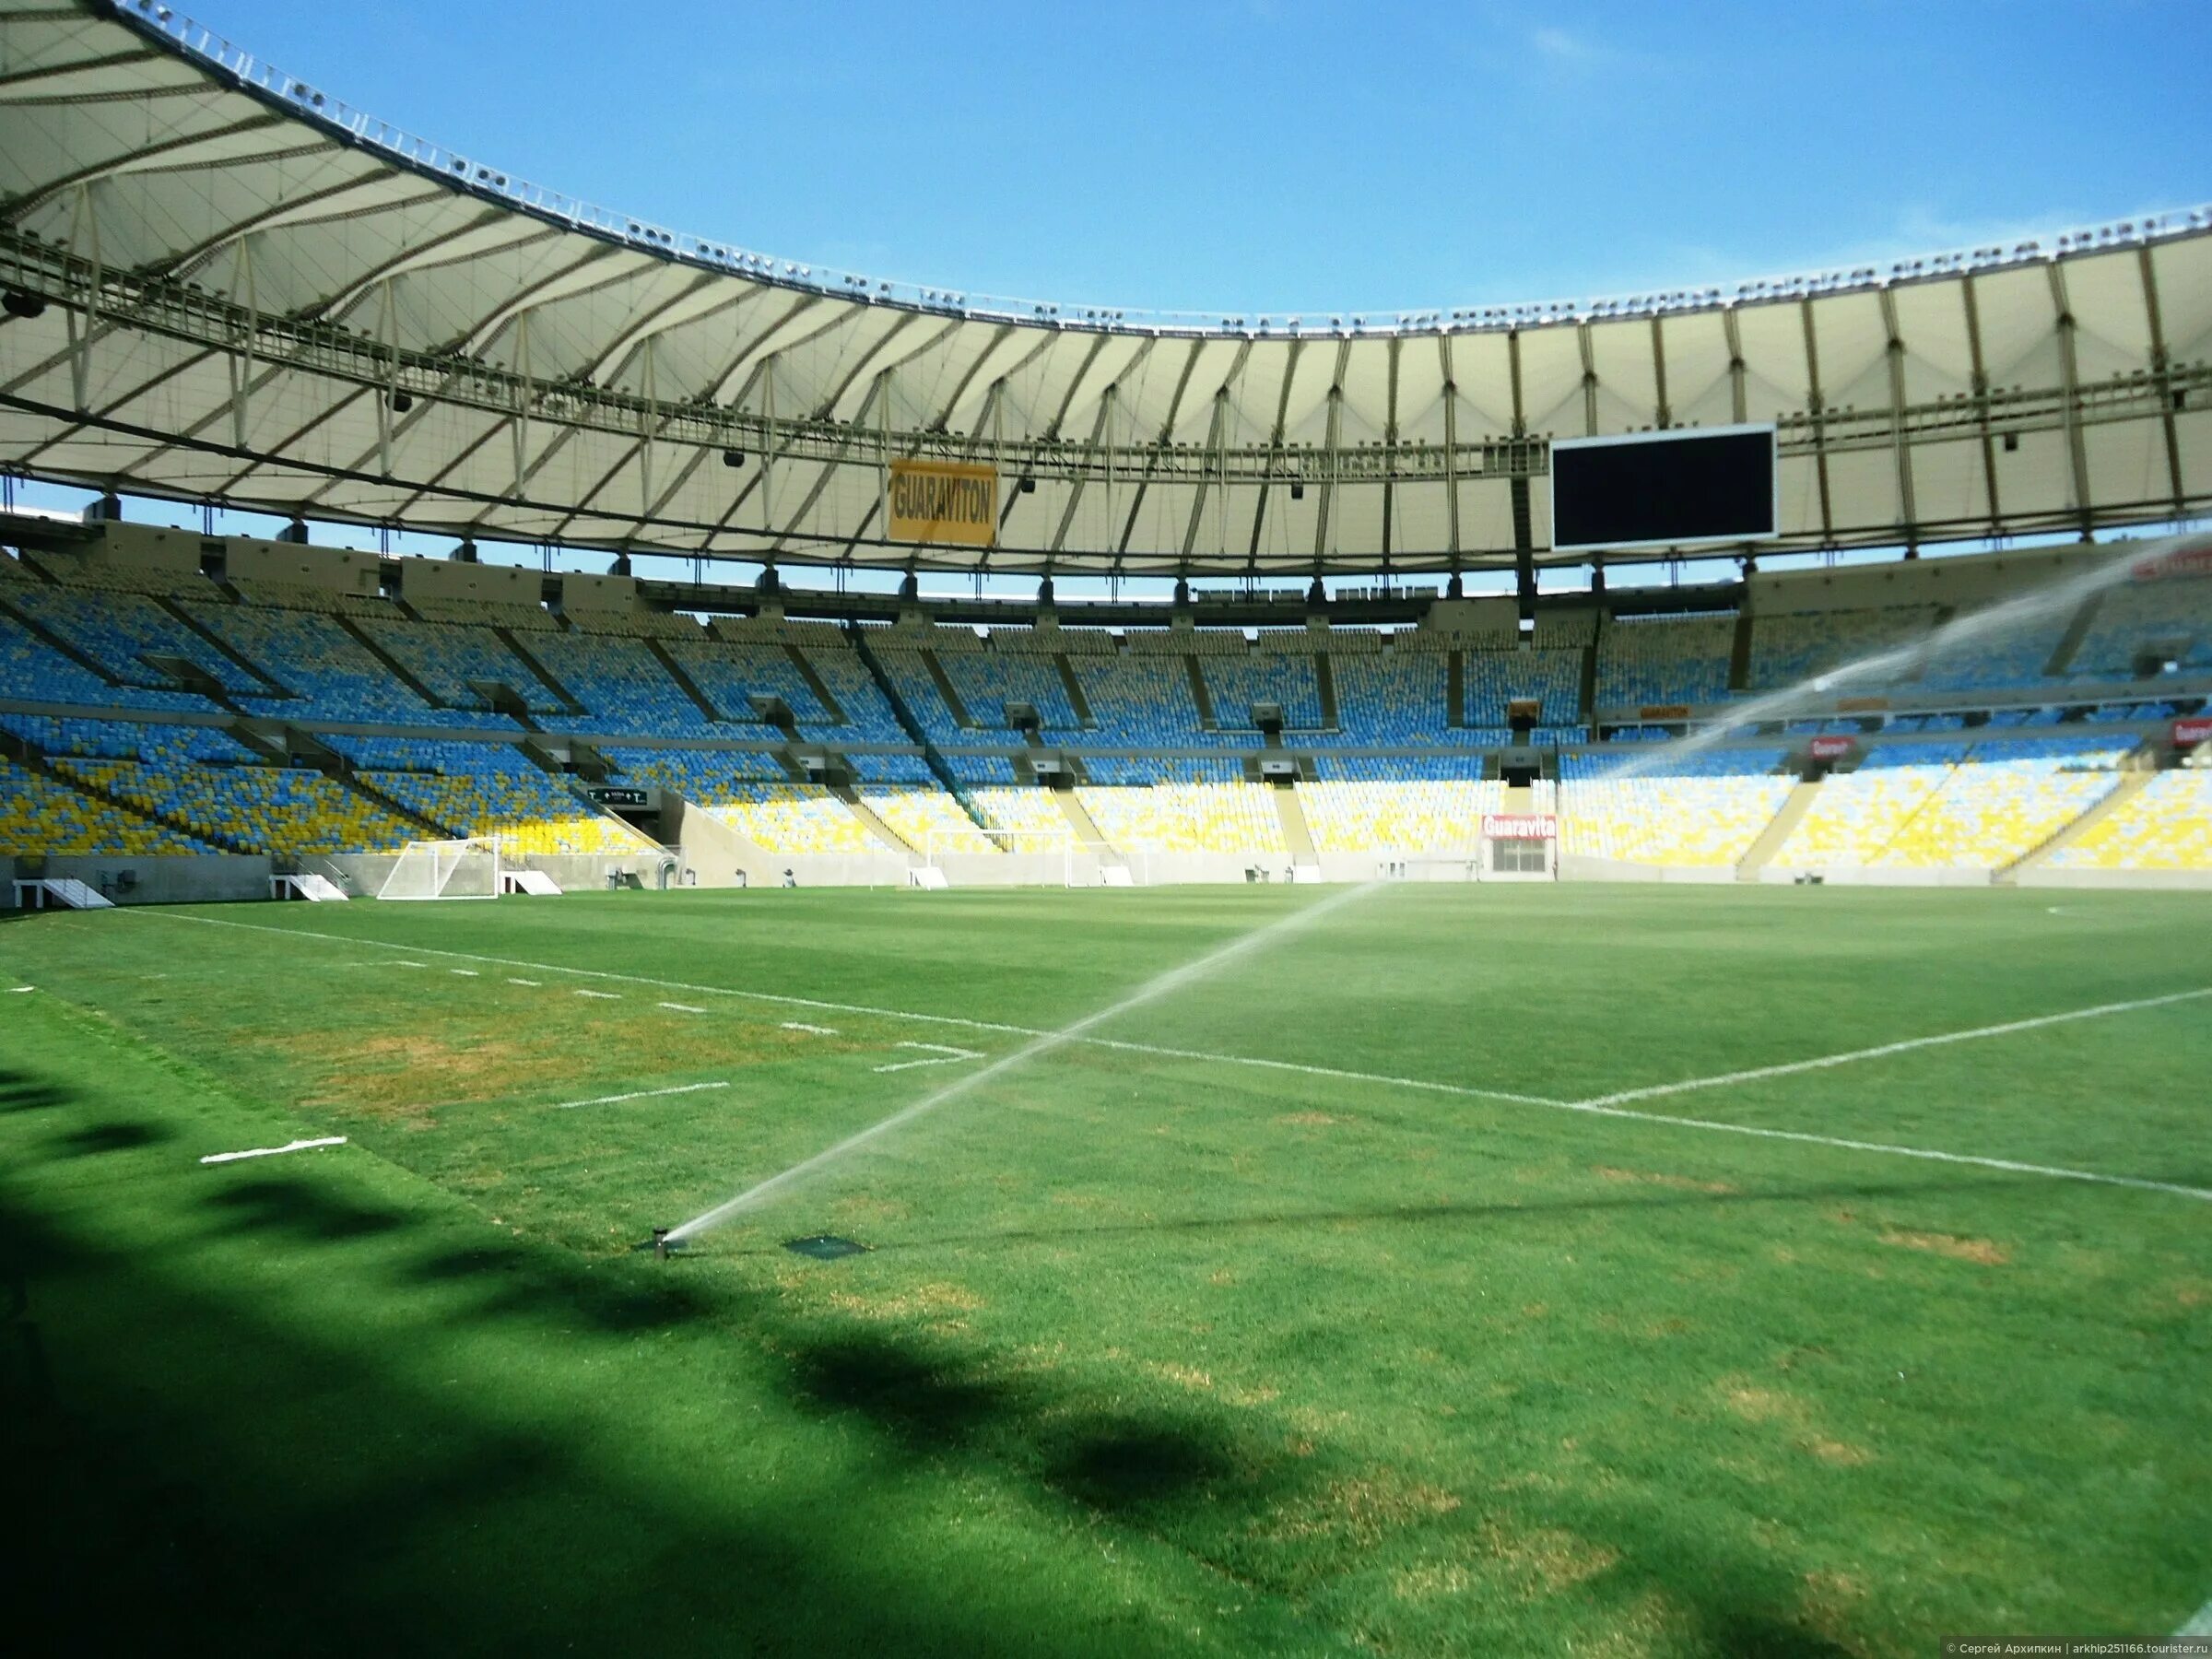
column 1834, row 748
column 1519, row 826
column 2195, row 730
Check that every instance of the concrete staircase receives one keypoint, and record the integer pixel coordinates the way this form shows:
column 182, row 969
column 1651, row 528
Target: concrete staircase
column 1291, row 812
column 891, row 839
column 2132, row 784
column 1079, row 817
column 1777, row 832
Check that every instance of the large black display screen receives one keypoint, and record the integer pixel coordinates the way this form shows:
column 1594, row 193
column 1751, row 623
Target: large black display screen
column 1663, row 489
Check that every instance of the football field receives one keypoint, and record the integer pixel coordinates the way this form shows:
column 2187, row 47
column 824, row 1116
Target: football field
column 1422, row 1269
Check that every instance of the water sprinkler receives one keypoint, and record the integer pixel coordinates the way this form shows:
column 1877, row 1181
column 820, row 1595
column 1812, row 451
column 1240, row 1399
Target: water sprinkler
column 660, row 1243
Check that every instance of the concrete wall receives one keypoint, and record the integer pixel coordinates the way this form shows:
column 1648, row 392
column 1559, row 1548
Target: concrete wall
column 2145, row 880
column 1960, row 876
column 1585, row 866
column 209, row 878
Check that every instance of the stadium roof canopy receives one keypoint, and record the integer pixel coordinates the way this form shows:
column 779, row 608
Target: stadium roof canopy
column 226, row 285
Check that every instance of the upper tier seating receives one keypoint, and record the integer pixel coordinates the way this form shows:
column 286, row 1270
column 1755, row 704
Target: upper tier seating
column 1235, row 683
column 331, row 675
column 1649, row 661
column 120, row 630
column 2161, row 621
column 1494, row 678
column 987, row 680
column 1391, row 697
column 1141, row 700
column 1793, row 647
column 445, row 657
column 621, row 687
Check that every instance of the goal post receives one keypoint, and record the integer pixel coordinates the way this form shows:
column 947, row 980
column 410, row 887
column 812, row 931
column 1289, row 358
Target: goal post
column 444, row 869
column 1051, row 855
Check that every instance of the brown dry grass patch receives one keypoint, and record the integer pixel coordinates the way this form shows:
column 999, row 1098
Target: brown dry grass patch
column 1681, row 1183
column 1359, row 1510
column 1319, row 1120
column 1985, row 1252
column 1550, row 1557
column 1790, row 1414
column 935, row 1300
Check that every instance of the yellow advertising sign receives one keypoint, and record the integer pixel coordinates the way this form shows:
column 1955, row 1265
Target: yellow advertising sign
column 955, row 502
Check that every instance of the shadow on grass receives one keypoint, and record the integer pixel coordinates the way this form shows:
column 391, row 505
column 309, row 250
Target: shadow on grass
column 1431, row 1214
column 25, row 1092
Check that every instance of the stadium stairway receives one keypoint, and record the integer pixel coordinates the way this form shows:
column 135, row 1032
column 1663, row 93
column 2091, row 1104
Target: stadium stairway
column 1079, row 817
column 1291, row 812
column 2132, row 784
column 391, row 664
column 1786, row 819
column 684, row 682
column 2077, row 629
column 874, row 825
column 528, row 659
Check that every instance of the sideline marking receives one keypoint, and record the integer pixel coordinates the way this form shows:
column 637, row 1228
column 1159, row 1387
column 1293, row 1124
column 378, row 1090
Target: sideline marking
column 789, row 1025
column 603, row 995
column 683, row 1007
column 18, row 990
column 1600, row 1107
column 1790, row 1068
column 945, row 1056
column 643, row 1094
column 465, row 972
column 532, row 984
column 298, row 1146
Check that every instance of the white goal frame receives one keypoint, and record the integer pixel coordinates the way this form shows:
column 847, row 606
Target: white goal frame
column 1082, row 862
column 475, row 859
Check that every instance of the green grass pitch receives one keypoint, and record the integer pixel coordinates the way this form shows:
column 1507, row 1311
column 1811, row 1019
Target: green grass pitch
column 1149, row 1353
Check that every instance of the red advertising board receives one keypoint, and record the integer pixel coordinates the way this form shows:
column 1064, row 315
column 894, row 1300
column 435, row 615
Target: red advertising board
column 1832, row 748
column 2193, row 731
column 1519, row 826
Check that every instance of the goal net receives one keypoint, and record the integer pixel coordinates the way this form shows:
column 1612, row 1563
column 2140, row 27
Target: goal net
column 1050, row 856
column 447, row 869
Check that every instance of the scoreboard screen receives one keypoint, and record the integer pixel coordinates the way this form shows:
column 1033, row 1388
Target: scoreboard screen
column 1663, row 489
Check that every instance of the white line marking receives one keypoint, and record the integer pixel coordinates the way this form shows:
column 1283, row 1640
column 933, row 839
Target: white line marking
column 1792, row 1068
column 682, row 1009
column 18, row 990
column 2199, row 1626
column 789, row 1025
column 603, row 995
column 465, row 972
column 329, row 935
column 1467, row 1091
column 298, row 1146
column 1160, row 986
column 945, row 1056
column 532, row 984
column 643, row 1094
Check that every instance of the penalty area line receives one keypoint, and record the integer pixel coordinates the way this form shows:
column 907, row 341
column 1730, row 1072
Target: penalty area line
column 1613, row 1105
column 642, row 1094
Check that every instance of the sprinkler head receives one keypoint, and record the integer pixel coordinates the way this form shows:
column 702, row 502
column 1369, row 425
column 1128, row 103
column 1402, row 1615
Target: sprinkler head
column 660, row 1243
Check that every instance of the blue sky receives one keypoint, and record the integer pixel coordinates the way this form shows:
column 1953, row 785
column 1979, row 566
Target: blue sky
column 1269, row 155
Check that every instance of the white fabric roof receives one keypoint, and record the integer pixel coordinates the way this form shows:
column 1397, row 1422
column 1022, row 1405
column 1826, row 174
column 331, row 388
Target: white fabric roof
column 255, row 294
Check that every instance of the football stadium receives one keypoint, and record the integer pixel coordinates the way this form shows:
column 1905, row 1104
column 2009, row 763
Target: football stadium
column 708, row 955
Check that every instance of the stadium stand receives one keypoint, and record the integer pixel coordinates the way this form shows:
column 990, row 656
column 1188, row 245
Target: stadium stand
column 1661, row 660
column 2166, row 825
column 1700, row 811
